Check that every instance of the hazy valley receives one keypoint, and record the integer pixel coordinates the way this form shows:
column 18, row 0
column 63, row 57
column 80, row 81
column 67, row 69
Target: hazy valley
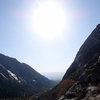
column 80, row 82
column 49, row 50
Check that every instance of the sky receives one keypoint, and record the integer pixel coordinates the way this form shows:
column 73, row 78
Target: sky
column 18, row 38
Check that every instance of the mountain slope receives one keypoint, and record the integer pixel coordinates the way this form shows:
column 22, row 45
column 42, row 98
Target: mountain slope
column 86, row 51
column 82, row 80
column 85, row 69
column 19, row 79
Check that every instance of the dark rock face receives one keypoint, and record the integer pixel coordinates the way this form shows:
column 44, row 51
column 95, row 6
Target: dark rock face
column 82, row 80
column 19, row 79
column 87, row 50
column 85, row 70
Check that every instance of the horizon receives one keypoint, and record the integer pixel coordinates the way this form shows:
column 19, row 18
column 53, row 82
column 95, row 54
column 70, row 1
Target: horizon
column 46, row 53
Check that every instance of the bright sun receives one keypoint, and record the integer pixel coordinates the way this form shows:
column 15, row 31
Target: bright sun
column 49, row 20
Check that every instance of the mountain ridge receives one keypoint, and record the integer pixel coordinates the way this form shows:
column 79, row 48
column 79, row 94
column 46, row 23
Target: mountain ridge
column 19, row 79
column 88, row 44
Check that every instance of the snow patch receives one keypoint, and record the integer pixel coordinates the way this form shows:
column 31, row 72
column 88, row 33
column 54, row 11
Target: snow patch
column 34, row 80
column 22, row 80
column 4, row 76
column 12, row 75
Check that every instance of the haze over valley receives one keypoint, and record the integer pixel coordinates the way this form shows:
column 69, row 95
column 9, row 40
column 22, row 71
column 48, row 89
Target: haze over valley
column 49, row 50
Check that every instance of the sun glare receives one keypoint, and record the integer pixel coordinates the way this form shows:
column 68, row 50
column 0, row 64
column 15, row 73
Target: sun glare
column 49, row 20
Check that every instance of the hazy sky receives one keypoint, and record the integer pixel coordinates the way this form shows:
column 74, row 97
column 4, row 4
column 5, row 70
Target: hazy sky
column 18, row 39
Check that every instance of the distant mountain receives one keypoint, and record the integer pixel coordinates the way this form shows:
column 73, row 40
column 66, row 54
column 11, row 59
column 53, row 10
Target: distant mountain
column 82, row 80
column 57, row 76
column 19, row 79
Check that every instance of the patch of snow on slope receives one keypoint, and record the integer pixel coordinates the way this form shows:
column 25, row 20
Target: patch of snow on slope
column 13, row 75
column 3, row 76
column 21, row 80
column 34, row 80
